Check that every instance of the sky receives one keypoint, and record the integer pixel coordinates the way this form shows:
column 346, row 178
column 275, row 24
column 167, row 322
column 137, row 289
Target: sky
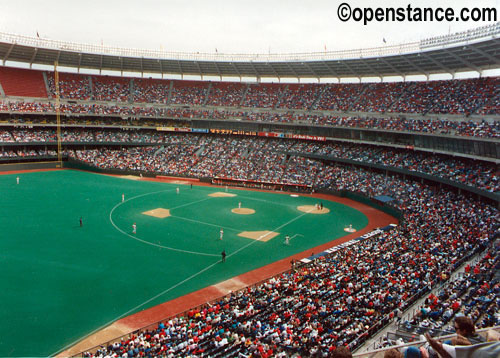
column 234, row 26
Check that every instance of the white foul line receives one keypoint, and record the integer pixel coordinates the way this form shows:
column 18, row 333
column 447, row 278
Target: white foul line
column 274, row 230
column 180, row 282
column 137, row 307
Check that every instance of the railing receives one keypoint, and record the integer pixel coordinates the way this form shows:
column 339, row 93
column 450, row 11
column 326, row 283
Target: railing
column 384, row 321
column 410, row 332
column 236, row 57
column 38, row 42
column 464, row 36
column 380, row 352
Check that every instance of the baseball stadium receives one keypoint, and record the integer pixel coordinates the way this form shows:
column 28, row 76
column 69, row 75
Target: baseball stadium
column 145, row 216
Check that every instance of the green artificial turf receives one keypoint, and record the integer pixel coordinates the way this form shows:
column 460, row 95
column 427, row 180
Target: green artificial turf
column 61, row 281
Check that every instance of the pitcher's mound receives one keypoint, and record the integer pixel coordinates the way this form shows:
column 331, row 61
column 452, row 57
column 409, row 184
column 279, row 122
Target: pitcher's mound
column 221, row 194
column 259, row 235
column 158, row 213
column 311, row 209
column 243, row 211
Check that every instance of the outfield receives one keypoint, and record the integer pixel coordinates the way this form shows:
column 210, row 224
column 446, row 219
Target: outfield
column 62, row 281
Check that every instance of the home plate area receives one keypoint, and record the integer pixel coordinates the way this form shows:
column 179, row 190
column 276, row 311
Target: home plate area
column 259, row 235
column 158, row 213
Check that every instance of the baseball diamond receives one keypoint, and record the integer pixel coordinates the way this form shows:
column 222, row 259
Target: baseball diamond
column 71, row 280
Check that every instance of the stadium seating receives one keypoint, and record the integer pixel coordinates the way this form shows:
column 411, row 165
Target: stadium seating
column 379, row 97
column 151, row 90
column 264, row 95
column 261, row 158
column 226, row 94
column 71, row 86
column 341, row 299
column 488, row 129
column 463, row 97
column 22, row 82
column 337, row 300
column 111, row 89
column 339, row 97
column 189, row 93
column 300, row 96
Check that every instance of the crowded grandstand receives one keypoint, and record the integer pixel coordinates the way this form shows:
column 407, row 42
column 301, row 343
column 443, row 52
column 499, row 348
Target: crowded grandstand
column 431, row 146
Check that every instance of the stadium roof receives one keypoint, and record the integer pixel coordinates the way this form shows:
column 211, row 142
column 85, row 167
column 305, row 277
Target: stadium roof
column 473, row 50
